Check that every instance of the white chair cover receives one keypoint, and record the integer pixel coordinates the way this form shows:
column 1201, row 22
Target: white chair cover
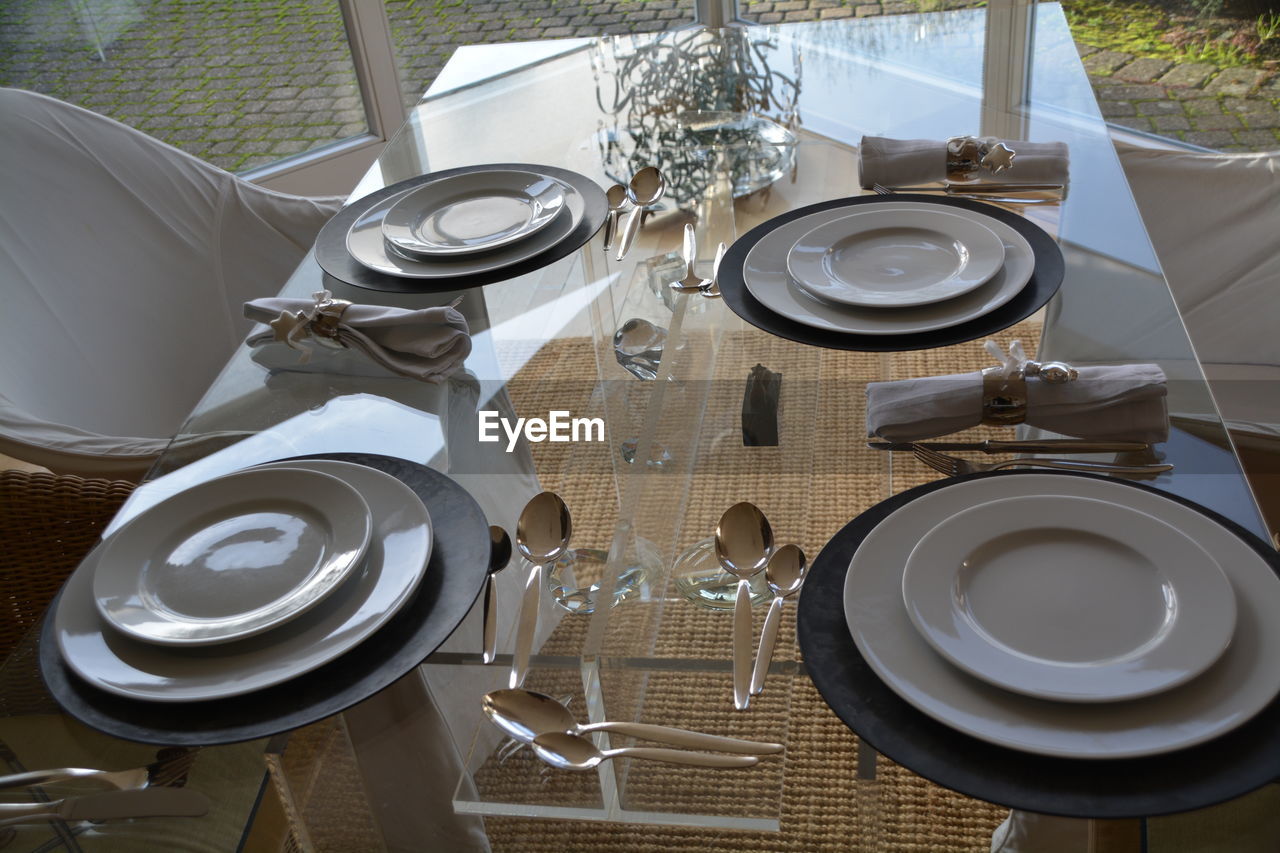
column 1214, row 220
column 124, row 264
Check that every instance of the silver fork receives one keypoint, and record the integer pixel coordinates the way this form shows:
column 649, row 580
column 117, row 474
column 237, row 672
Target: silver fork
column 169, row 770
column 881, row 189
column 953, row 466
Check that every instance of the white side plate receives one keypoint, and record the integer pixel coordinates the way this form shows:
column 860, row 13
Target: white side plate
column 895, row 259
column 472, row 212
column 1243, row 681
column 231, row 557
column 767, row 279
column 1069, row 599
column 395, row 564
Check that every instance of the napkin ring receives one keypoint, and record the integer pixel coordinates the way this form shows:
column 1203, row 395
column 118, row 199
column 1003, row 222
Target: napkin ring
column 968, row 155
column 1004, row 391
column 1004, row 397
column 324, row 324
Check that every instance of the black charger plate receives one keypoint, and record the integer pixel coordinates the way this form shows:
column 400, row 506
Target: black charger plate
column 1221, row 769
column 1045, row 281
column 331, row 243
column 455, row 575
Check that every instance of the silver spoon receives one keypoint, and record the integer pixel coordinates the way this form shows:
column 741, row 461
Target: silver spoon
column 743, row 542
column 570, row 752
column 499, row 556
column 692, row 282
column 525, row 714
column 616, row 195
column 785, row 573
column 542, row 537
column 711, row 288
column 647, row 187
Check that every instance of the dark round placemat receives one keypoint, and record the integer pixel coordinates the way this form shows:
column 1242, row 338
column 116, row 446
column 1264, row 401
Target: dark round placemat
column 331, row 243
column 455, row 575
column 1045, row 281
column 1221, row 769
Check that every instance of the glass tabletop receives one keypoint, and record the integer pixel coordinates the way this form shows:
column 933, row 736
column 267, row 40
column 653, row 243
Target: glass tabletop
column 636, row 624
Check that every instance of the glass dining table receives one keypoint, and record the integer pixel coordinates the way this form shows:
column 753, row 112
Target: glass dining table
column 635, row 625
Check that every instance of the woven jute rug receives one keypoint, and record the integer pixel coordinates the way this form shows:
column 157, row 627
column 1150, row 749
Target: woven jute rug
column 818, row 478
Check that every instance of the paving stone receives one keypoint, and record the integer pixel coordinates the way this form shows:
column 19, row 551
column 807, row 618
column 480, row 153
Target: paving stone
column 1248, row 105
column 1159, row 108
column 831, row 14
column 1209, row 138
column 1236, row 82
column 1262, row 121
column 1128, row 92
column 1143, row 70
column 1188, row 74
column 867, row 10
column 1134, row 122
column 1171, row 123
column 1259, row 140
column 1221, row 121
column 1115, row 109
column 1106, row 61
column 1203, row 106
column 292, row 146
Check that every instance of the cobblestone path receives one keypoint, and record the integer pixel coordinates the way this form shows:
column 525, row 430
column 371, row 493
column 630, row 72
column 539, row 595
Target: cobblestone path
column 244, row 84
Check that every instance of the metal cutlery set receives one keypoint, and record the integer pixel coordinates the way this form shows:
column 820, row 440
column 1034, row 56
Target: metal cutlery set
column 646, row 189
column 744, row 546
column 140, row 792
column 930, row 453
column 543, row 532
column 558, row 739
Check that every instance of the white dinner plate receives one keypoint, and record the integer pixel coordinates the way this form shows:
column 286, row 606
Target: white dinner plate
column 231, row 557
column 392, row 569
column 366, row 244
column 766, row 277
column 895, row 258
column 1070, row 599
column 472, row 212
column 1242, row 682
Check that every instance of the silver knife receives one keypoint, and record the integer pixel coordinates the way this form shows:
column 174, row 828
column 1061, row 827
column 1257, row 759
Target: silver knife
column 966, row 189
column 148, row 802
column 1048, row 445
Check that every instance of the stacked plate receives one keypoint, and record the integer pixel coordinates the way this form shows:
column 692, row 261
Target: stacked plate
column 1067, row 616
column 244, row 582
column 463, row 226
column 871, row 270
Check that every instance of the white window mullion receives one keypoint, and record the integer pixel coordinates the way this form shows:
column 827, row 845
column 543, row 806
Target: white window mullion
column 1006, row 68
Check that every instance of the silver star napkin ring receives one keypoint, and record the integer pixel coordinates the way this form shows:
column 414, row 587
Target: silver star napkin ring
column 967, row 156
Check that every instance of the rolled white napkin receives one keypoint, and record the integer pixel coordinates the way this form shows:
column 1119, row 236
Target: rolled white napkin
column 1106, row 403
column 906, row 162
column 426, row 344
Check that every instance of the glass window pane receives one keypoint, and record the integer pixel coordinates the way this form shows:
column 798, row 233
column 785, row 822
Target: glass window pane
column 237, row 84
column 1199, row 72
column 426, row 34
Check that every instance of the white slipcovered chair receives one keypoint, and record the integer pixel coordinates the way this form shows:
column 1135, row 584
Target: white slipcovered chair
column 1214, row 220
column 124, row 263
